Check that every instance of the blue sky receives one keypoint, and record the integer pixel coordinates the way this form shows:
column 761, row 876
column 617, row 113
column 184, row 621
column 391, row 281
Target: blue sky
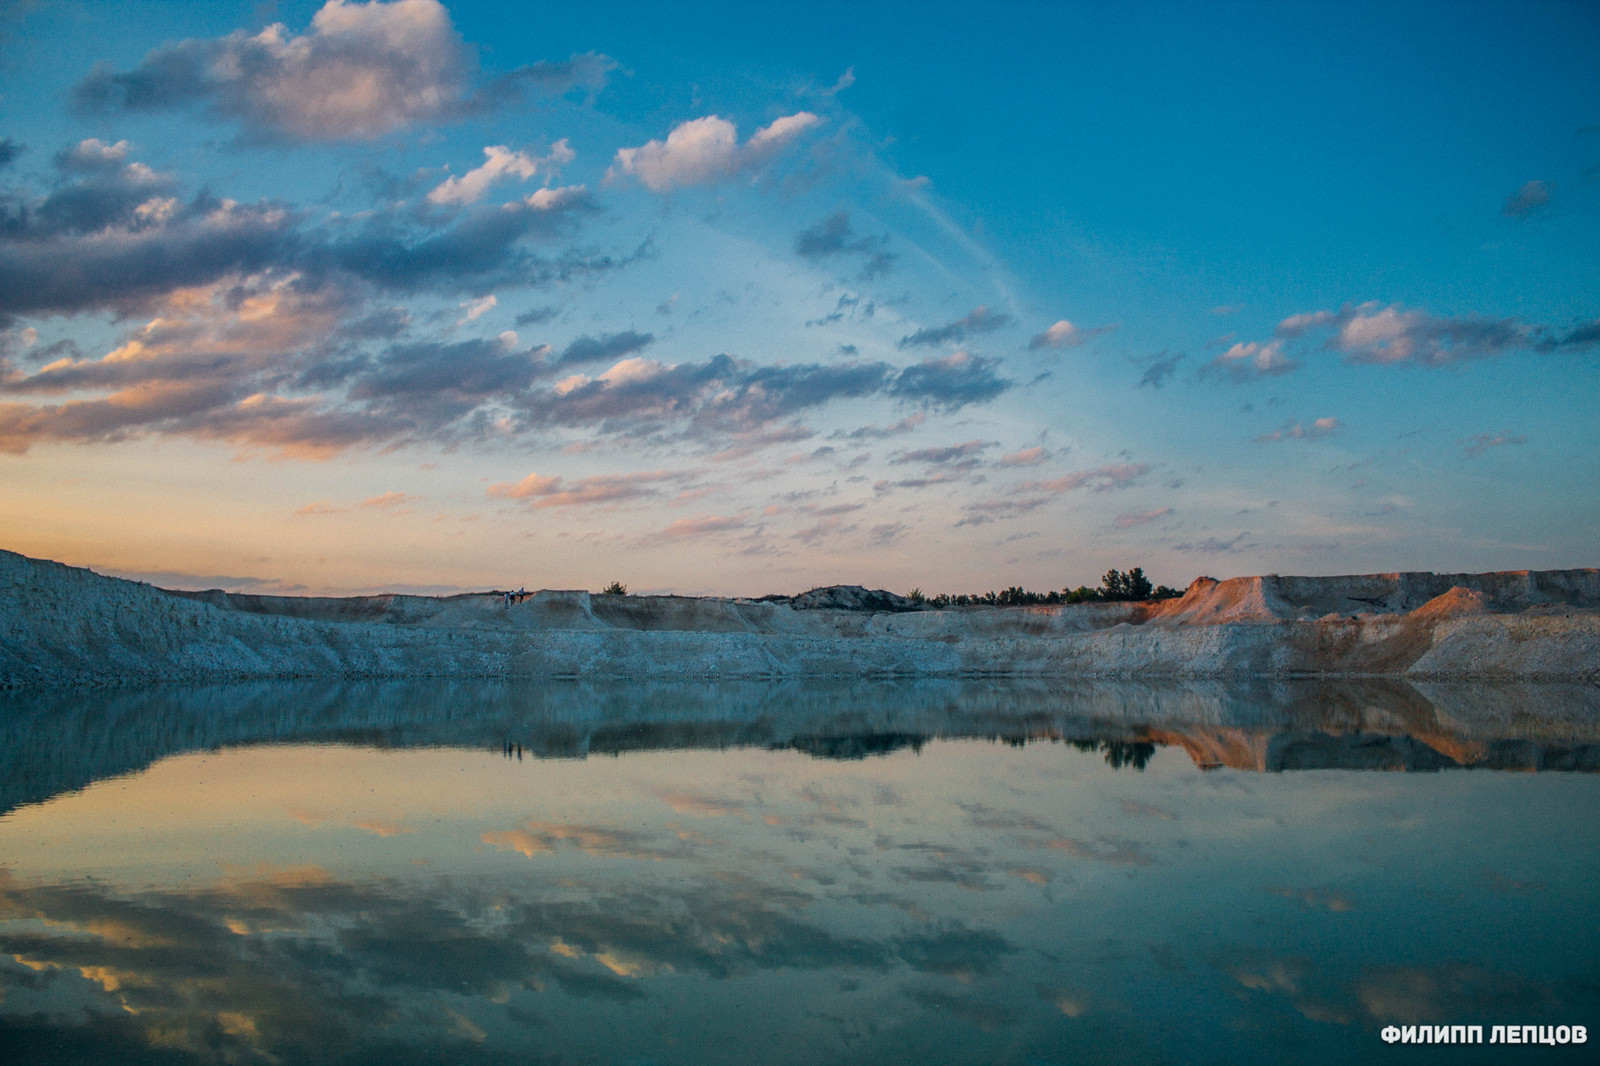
column 748, row 298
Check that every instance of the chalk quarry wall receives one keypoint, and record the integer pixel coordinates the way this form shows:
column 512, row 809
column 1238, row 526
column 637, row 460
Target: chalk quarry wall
column 65, row 625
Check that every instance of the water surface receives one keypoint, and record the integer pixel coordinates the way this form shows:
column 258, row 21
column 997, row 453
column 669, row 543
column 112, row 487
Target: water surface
column 731, row 874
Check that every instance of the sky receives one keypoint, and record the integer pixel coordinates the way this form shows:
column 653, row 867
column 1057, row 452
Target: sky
column 718, row 298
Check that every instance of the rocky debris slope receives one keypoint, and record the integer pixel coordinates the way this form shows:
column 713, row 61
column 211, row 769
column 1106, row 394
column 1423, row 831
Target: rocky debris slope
column 60, row 624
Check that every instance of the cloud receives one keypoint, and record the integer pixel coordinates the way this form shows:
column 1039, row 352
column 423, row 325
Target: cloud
column 1530, row 198
column 833, row 236
column 1586, row 335
column 703, row 525
column 431, row 383
column 1158, row 369
column 9, row 151
column 1252, row 361
column 951, row 382
column 1064, row 335
column 388, row 501
column 553, row 491
column 959, row 454
column 501, row 163
column 537, row 315
column 476, row 309
column 978, row 320
column 1482, row 442
column 1106, row 478
column 359, row 72
column 1025, row 457
column 588, row 349
column 207, row 367
column 1300, row 325
column 905, row 425
column 1373, row 333
column 115, row 236
column 1367, row 334
column 1321, row 429
column 1031, row 495
column 484, row 246
column 1130, row 521
column 705, row 150
column 825, row 529
column 1215, row 545
column 100, row 190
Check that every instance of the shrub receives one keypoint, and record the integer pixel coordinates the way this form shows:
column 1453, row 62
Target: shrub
column 616, row 588
column 1130, row 586
column 1116, row 586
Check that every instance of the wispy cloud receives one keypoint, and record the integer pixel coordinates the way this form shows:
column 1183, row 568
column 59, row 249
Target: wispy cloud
column 1320, row 429
column 1476, row 445
column 832, row 236
column 1530, row 198
column 1026, row 457
column 1158, row 369
column 978, row 320
column 388, row 501
column 964, row 454
column 1215, row 545
column 1031, row 495
column 554, row 491
column 1142, row 518
column 703, row 525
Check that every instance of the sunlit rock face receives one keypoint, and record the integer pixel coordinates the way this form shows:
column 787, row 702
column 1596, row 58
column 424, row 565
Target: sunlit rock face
column 62, row 624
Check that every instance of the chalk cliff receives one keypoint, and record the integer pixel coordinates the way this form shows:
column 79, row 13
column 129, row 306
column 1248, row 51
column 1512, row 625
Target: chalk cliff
column 65, row 625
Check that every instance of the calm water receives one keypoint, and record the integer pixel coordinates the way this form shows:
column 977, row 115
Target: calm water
column 953, row 873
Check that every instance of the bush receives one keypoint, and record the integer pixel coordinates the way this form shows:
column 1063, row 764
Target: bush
column 616, row 588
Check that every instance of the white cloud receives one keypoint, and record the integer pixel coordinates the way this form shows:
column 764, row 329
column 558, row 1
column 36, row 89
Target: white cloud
column 555, row 199
column 1254, row 359
column 1061, row 335
column 476, row 309
column 704, row 150
column 501, row 163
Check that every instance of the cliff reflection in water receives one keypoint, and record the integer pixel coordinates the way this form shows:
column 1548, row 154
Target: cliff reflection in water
column 370, row 874
column 54, row 741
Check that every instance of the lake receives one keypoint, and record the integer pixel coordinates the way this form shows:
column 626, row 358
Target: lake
column 949, row 872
